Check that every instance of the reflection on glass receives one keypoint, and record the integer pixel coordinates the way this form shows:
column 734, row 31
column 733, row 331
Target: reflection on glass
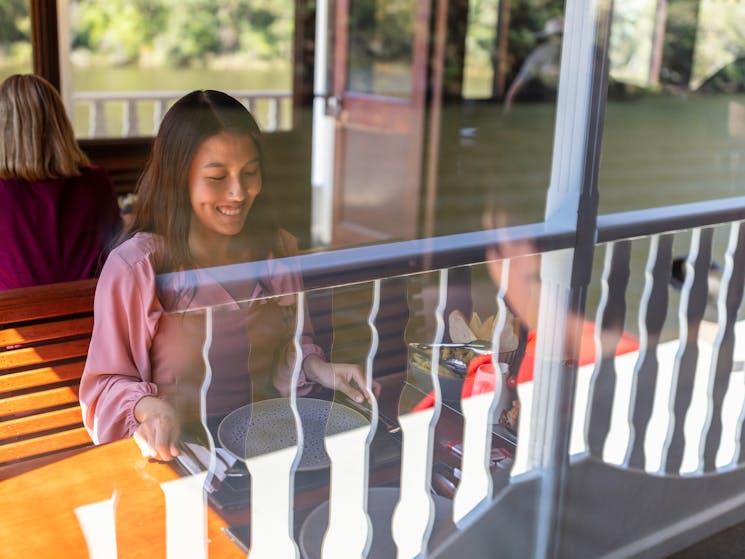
column 675, row 119
column 481, row 49
column 15, row 39
column 123, row 55
column 380, row 48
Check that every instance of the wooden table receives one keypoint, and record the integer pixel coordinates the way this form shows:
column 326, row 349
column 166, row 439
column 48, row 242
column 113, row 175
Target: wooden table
column 38, row 517
column 38, row 508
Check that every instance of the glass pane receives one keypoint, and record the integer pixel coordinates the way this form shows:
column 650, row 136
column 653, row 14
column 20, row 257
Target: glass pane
column 364, row 175
column 130, row 60
column 675, row 120
column 15, row 38
column 380, row 47
column 389, row 329
column 497, row 155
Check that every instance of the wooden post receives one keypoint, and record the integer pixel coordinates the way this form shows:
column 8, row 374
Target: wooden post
column 44, row 40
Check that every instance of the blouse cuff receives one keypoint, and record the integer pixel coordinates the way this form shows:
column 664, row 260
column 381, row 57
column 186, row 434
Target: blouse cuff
column 130, row 402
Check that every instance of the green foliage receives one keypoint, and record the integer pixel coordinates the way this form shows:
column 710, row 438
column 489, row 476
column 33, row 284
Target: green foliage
column 182, row 32
column 116, row 29
column 482, row 31
column 680, row 38
column 15, row 25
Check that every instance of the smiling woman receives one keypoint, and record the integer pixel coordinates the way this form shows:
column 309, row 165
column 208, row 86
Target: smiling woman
column 200, row 204
column 224, row 180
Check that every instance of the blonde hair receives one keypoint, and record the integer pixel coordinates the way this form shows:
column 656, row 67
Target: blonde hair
column 36, row 137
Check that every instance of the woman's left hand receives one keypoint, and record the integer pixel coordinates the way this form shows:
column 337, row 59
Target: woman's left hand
column 345, row 377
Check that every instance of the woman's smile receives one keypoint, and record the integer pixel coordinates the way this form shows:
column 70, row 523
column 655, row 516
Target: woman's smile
column 224, row 180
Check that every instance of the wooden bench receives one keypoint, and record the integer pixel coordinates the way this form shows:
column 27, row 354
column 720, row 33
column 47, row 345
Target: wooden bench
column 44, row 336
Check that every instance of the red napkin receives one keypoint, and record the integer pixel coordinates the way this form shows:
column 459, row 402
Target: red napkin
column 470, row 385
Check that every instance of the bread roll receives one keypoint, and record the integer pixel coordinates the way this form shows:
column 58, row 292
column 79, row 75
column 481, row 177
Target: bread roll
column 460, row 332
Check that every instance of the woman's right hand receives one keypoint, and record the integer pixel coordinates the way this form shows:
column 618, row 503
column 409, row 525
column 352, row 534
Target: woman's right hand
column 159, row 428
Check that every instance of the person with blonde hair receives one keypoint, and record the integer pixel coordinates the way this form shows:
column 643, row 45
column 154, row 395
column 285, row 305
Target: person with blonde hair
column 57, row 211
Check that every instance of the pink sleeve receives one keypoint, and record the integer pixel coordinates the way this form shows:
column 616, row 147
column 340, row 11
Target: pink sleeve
column 117, row 371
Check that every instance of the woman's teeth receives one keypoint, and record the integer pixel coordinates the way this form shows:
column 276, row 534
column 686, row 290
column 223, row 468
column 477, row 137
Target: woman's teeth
column 229, row 211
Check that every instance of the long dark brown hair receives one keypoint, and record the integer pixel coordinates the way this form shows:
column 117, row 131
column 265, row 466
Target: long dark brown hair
column 163, row 205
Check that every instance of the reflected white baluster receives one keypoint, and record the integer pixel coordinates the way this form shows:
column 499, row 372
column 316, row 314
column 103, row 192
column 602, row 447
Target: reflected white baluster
column 733, row 405
column 186, row 517
column 349, row 529
column 273, row 477
column 272, row 490
column 680, row 374
column 208, row 325
column 414, row 514
column 696, row 417
column 349, row 532
column 587, row 376
column 651, row 379
column 98, row 523
column 524, row 428
column 718, row 434
column 475, row 487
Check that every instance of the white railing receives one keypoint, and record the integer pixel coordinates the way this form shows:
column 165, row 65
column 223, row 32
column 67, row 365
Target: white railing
column 270, row 107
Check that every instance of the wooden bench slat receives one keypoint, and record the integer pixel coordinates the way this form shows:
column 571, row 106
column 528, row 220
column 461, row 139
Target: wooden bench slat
column 46, row 331
column 52, row 325
column 38, row 378
column 56, row 442
column 36, row 356
column 45, row 310
column 66, row 419
column 13, row 302
column 28, row 403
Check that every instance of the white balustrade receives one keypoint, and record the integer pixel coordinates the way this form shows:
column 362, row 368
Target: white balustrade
column 101, row 105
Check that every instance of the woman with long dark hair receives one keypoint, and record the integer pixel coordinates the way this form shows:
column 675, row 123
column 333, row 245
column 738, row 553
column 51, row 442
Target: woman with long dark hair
column 201, row 204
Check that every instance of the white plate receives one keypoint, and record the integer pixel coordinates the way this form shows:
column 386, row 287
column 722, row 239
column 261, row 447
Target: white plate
column 269, row 425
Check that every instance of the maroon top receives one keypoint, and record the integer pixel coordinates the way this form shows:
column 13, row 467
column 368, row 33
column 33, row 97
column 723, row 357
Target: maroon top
column 55, row 230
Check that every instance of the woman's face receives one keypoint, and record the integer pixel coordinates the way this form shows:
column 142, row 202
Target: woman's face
column 224, row 180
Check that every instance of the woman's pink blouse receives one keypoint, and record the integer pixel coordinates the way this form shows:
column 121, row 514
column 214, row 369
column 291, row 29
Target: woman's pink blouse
column 139, row 349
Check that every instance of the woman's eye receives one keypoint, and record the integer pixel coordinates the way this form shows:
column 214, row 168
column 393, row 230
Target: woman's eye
column 215, row 178
column 250, row 173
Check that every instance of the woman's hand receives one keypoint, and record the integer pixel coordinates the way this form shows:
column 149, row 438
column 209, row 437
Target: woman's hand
column 345, row 377
column 159, row 428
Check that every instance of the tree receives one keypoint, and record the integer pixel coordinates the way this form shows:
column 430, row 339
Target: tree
column 14, row 21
